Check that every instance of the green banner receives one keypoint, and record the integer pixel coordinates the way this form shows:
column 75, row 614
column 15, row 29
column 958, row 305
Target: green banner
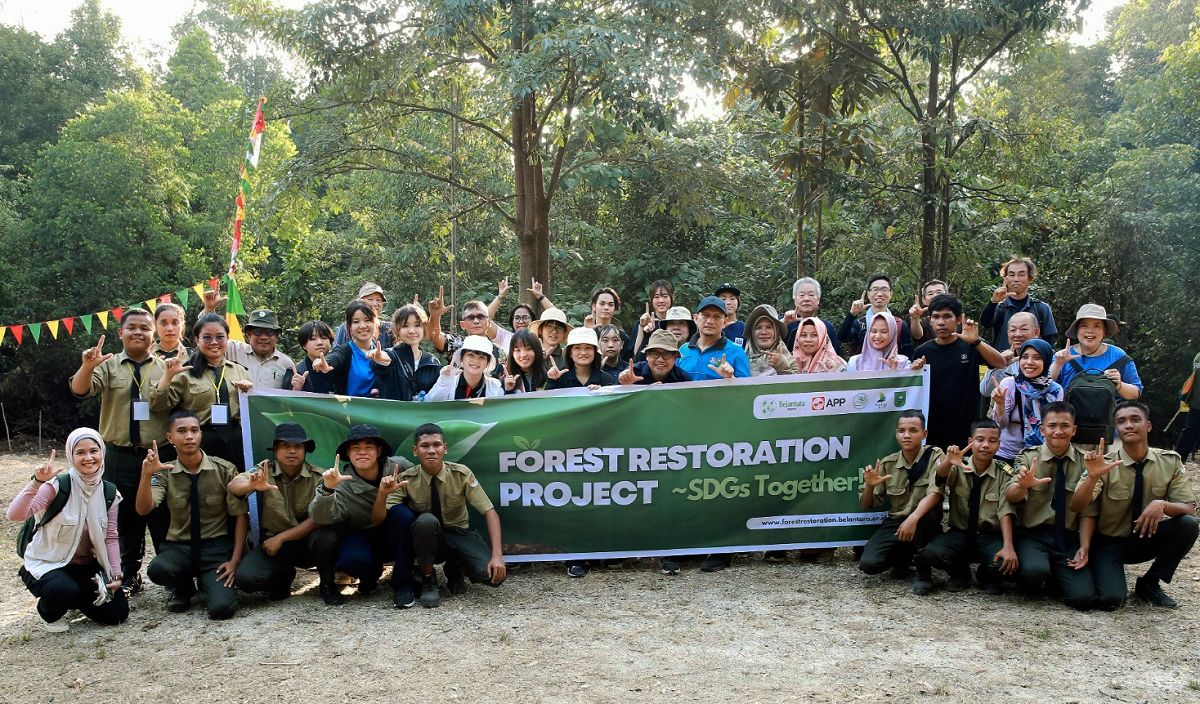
column 718, row 466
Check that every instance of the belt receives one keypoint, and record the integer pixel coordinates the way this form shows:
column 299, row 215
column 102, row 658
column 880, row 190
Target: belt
column 130, row 449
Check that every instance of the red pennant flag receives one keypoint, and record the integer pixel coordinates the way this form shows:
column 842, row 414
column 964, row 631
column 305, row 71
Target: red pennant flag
column 116, row 313
column 69, row 324
column 18, row 332
column 212, row 283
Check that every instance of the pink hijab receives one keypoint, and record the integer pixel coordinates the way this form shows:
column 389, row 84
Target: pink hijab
column 825, row 359
column 871, row 359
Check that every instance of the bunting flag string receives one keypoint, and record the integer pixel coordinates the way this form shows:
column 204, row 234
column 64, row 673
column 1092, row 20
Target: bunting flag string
column 243, row 193
column 234, row 307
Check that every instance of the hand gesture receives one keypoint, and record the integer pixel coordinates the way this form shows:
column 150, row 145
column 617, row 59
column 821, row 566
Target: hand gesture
column 510, row 382
column 535, row 288
column 377, row 354
column 646, row 321
column 496, row 569
column 259, row 481
column 891, row 362
column 999, row 293
column 1008, row 356
column 46, row 472
column 213, row 299
column 1147, row 523
column 917, row 364
column 298, row 379
column 175, row 366
column 955, row 456
column 416, row 301
column 449, row 369
column 917, row 311
column 857, row 307
column 1064, row 356
column 970, row 331
column 998, row 395
column 721, row 367
column 628, row 376
column 1027, row 477
column 271, row 545
column 1007, row 557
column 391, row 482
column 773, row 358
column 589, row 320
column 243, row 384
column 152, row 465
column 1095, row 464
column 872, row 476
column 333, row 476
column 94, row 356
column 225, row 572
column 437, row 306
column 790, row 317
column 321, row 366
column 502, row 288
column 554, row 372
column 906, row 532
column 1080, row 560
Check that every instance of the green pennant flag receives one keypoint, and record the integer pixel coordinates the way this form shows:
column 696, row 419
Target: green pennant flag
column 234, row 304
column 87, row 322
column 182, row 294
column 35, row 329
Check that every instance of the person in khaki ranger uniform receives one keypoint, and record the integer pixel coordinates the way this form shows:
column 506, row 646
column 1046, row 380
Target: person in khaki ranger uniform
column 425, row 508
column 900, row 481
column 1047, row 531
column 347, row 541
column 1137, row 506
column 285, row 488
column 128, row 425
column 977, row 531
column 199, row 547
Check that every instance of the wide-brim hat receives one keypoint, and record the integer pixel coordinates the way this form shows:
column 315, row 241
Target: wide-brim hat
column 679, row 314
column 363, row 431
column 550, row 315
column 1092, row 311
column 662, row 340
column 581, row 336
column 480, row 344
column 263, row 319
column 292, row 432
column 767, row 311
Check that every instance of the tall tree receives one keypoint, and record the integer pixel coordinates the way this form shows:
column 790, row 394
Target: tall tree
column 195, row 75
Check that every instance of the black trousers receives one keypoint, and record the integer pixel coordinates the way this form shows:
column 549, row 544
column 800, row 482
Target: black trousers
column 1189, row 439
column 123, row 467
column 260, row 572
column 74, row 587
column 955, row 551
column 358, row 553
column 1167, row 548
column 1042, row 560
column 884, row 550
column 172, row 568
column 421, row 538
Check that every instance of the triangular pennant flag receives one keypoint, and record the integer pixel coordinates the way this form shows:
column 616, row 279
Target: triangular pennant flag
column 151, row 304
column 212, row 283
column 103, row 316
column 87, row 322
column 182, row 295
column 2, row 329
column 69, row 324
column 165, row 298
column 117, row 313
column 199, row 289
column 235, row 328
column 53, row 325
column 234, row 304
column 36, row 330
column 18, row 332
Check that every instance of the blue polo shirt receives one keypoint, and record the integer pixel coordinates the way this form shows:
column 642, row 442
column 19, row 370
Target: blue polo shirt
column 696, row 363
column 1100, row 362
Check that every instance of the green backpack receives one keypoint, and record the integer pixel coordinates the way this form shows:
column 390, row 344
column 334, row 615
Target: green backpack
column 31, row 525
column 1094, row 398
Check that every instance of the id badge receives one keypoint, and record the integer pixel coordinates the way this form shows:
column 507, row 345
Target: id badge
column 141, row 410
column 220, row 414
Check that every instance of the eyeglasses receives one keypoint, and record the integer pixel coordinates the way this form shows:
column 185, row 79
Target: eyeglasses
column 658, row 356
column 260, row 332
column 209, row 339
column 522, row 318
column 474, row 317
column 880, row 289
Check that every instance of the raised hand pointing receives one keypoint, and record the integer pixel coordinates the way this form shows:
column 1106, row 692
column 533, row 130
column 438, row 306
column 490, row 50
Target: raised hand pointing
column 628, row 376
column 94, row 357
column 554, row 372
column 46, row 472
column 1027, row 477
column 872, row 476
column 152, row 464
column 333, row 476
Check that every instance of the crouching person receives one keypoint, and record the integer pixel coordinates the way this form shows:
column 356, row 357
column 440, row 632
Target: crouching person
column 198, row 548
column 284, row 488
column 902, row 479
column 425, row 509
column 346, row 540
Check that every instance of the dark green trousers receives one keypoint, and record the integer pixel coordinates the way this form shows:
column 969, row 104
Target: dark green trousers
column 1042, row 560
column 123, row 467
column 884, row 550
column 260, row 572
column 1167, row 548
column 172, row 568
column 955, row 551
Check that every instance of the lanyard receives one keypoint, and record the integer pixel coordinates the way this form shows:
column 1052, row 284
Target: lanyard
column 219, row 382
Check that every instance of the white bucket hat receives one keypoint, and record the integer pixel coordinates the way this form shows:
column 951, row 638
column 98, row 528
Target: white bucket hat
column 476, row 343
column 554, row 315
column 1092, row 311
column 582, row 336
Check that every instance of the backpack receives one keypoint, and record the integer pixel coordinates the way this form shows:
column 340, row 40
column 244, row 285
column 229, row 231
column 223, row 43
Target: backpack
column 31, row 525
column 1094, row 399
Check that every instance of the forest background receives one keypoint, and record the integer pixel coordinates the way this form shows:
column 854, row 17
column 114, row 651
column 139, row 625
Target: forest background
column 427, row 143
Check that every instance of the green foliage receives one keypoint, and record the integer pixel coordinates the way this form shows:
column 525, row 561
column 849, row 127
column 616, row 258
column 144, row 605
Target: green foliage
column 194, row 74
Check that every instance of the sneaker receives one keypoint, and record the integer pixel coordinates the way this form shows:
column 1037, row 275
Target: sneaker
column 403, row 598
column 1152, row 592
column 922, row 586
column 59, row 626
column 775, row 556
column 332, row 595
column 577, row 569
column 668, row 565
column 132, row 585
column 716, row 563
column 178, row 603
column 368, row 586
column 431, row 598
column 280, row 593
column 957, row 583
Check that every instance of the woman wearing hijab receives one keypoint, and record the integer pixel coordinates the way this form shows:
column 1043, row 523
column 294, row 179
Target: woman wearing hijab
column 764, row 344
column 1019, row 400
column 73, row 561
column 880, row 348
column 814, row 351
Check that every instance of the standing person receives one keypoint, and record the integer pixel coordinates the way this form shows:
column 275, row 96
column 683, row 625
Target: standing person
column 659, row 367
column 316, row 339
column 875, row 300
column 347, row 541
column 552, row 329
column 661, row 299
column 765, row 349
column 168, row 327
column 268, row 366
column 475, row 320
column 1095, row 374
column 469, row 374
column 207, row 384
column 1140, row 505
column 1019, row 402
column 978, row 533
column 412, row 372
column 901, row 480
column 734, row 329
column 612, row 346
column 356, row 367
column 72, row 555
column 814, row 349
column 680, row 322
column 954, row 358
column 1189, row 393
column 285, row 526
column 128, row 426
column 605, row 304
column 519, row 319
column 918, row 323
column 524, row 370
column 198, row 547
column 806, row 296
column 372, row 295
column 709, row 354
column 582, row 353
column 425, row 509
column 880, row 350
column 1047, row 530
column 1011, row 297
column 1022, row 327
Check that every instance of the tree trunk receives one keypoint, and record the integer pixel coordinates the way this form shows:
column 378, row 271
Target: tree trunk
column 532, row 212
column 929, row 186
column 943, row 267
column 801, row 175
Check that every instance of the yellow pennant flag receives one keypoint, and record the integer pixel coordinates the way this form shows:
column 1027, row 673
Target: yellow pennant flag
column 235, row 328
column 199, row 289
column 53, row 325
column 3, row 329
column 151, row 304
column 103, row 316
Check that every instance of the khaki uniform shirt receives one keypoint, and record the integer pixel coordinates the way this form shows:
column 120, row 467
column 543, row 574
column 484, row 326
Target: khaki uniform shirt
column 113, row 382
column 288, row 507
column 198, row 394
column 216, row 503
column 1112, row 499
column 958, row 491
column 1036, row 510
column 457, row 485
column 180, row 351
column 902, row 498
column 267, row 373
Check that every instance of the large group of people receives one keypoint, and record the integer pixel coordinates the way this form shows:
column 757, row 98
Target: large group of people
column 1042, row 464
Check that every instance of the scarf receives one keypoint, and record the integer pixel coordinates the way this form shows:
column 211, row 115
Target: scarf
column 1034, row 392
column 872, row 359
column 825, row 359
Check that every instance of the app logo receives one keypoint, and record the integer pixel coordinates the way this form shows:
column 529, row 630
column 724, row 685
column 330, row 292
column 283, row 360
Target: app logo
column 818, row 403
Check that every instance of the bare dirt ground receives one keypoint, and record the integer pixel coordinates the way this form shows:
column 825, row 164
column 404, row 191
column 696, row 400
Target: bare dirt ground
column 753, row 633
